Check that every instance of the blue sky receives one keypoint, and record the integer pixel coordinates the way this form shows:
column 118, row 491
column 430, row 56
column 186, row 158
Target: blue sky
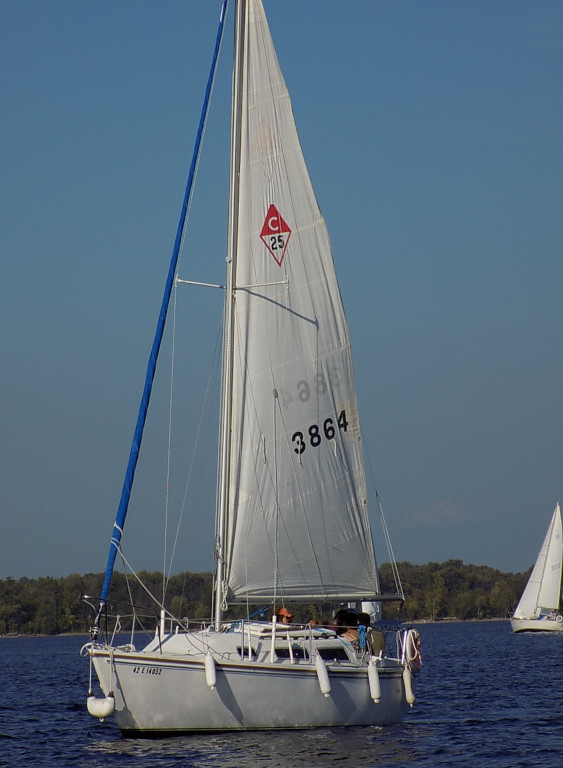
column 432, row 131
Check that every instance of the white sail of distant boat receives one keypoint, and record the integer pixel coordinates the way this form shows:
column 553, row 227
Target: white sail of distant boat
column 292, row 523
column 538, row 609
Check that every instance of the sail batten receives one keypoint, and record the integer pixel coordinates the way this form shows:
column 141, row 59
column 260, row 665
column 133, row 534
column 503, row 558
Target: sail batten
column 296, row 512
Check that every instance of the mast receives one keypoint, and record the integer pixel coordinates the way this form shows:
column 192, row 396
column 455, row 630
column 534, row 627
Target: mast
column 227, row 383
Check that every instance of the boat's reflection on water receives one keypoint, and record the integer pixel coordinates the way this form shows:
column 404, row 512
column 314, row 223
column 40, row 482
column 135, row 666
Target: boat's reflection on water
column 363, row 746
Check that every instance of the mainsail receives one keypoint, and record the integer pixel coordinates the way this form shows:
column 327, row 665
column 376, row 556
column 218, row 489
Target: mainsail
column 544, row 585
column 296, row 517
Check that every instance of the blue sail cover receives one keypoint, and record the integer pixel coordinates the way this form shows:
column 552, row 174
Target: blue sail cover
column 153, row 358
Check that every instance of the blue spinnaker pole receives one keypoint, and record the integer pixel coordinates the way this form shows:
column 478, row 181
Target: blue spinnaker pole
column 151, row 367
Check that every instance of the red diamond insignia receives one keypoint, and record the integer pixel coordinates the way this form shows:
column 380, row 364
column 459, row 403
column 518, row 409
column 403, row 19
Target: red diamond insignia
column 275, row 234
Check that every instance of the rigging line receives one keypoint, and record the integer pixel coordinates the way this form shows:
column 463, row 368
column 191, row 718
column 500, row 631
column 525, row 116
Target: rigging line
column 394, row 569
column 216, row 530
column 153, row 357
column 276, row 496
column 251, row 407
column 396, row 576
column 126, row 574
column 155, row 600
column 211, row 378
column 165, row 577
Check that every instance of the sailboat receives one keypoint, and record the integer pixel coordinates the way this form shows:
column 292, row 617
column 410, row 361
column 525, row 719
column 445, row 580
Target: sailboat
column 292, row 522
column 538, row 609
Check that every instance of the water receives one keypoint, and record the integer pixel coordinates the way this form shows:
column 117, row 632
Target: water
column 486, row 698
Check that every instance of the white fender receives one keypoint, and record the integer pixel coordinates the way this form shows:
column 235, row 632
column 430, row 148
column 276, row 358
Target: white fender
column 100, row 708
column 210, row 672
column 407, row 680
column 374, row 684
column 322, row 674
column 559, row 618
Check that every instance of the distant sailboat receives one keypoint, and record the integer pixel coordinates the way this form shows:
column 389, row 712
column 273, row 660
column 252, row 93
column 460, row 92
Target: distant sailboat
column 292, row 520
column 538, row 609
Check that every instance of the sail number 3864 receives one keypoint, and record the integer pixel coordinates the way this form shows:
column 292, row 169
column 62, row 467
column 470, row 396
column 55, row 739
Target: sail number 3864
column 315, row 433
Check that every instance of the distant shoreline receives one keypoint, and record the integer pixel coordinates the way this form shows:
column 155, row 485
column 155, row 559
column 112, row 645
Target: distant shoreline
column 452, row 620
column 449, row 620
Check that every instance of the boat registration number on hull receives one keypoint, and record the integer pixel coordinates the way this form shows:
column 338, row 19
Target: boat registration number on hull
column 147, row 670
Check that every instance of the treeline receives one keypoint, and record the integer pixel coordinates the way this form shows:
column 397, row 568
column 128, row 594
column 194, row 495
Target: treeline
column 450, row 590
column 49, row 606
column 454, row 590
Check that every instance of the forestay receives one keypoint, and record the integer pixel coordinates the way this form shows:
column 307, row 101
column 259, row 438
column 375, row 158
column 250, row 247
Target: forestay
column 297, row 518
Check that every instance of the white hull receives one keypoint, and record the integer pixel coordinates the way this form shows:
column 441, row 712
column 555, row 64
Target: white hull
column 158, row 693
column 546, row 624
